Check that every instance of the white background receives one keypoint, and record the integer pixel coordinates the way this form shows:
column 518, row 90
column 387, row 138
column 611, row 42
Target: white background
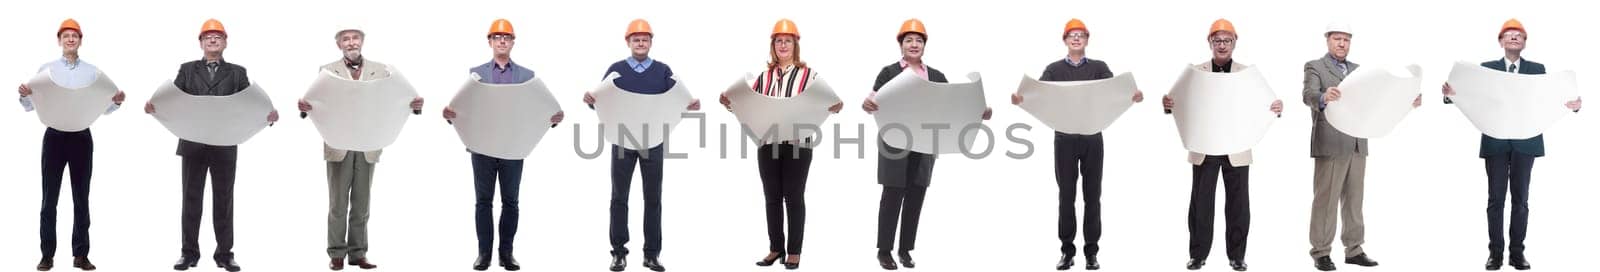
column 1425, row 185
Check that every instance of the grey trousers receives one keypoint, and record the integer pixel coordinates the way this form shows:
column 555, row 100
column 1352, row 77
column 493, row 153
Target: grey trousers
column 349, row 205
column 1338, row 187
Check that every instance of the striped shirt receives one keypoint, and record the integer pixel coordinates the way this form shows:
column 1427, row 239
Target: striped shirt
column 783, row 82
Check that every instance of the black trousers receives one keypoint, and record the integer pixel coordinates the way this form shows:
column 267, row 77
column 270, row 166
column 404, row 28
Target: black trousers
column 903, row 204
column 650, row 164
column 221, row 163
column 1202, row 207
column 62, row 149
column 784, row 168
column 1508, row 172
column 1079, row 155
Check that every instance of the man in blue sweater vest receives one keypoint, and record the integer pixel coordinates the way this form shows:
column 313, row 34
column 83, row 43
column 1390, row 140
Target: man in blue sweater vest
column 643, row 75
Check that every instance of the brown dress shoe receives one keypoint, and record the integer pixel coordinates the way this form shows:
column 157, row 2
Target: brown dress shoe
column 362, row 263
column 336, row 264
column 82, row 263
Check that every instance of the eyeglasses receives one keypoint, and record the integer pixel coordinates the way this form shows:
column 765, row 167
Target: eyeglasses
column 1222, row 41
column 783, row 41
column 1513, row 36
column 213, row 37
column 1077, row 35
column 502, row 37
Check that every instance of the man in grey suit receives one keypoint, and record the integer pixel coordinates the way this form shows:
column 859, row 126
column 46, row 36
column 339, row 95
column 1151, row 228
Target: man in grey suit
column 1341, row 159
column 350, row 172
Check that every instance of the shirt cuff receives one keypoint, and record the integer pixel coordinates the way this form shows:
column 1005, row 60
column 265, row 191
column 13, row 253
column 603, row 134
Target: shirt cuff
column 27, row 103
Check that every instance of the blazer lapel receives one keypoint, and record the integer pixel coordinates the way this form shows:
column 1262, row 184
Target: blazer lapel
column 1328, row 62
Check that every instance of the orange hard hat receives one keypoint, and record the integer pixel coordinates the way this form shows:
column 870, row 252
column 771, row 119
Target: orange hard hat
column 212, row 25
column 638, row 26
column 786, row 26
column 501, row 26
column 1512, row 24
column 1222, row 25
column 69, row 24
column 912, row 26
column 1074, row 24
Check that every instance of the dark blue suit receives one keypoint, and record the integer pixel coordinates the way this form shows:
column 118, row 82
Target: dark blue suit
column 1509, row 164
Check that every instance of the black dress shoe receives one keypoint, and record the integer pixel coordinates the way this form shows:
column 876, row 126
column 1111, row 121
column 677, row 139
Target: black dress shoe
column 46, row 264
column 228, row 264
column 788, row 265
column 769, row 261
column 654, row 265
column 1238, row 265
column 184, row 263
column 1065, row 263
column 509, row 263
column 1324, row 263
column 482, row 263
column 1361, row 260
column 1520, row 263
column 1195, row 264
column 1493, row 264
column 619, row 262
column 886, row 261
column 906, row 261
column 1091, row 263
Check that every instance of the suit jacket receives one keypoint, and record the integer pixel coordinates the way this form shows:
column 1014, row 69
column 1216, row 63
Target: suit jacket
column 1488, row 146
column 195, row 78
column 1327, row 141
column 892, row 172
column 1236, row 159
column 370, row 70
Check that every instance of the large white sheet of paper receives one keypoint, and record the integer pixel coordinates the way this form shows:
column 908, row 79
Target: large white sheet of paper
column 503, row 120
column 918, row 105
column 780, row 116
column 213, row 120
column 646, row 118
column 1078, row 107
column 1222, row 113
column 67, row 109
column 1511, row 106
column 1373, row 100
column 360, row 115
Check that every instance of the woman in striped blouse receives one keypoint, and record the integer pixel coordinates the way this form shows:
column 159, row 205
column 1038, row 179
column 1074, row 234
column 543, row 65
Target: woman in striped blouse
column 784, row 164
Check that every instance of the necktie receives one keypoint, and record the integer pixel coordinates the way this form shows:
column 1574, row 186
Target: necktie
column 1513, row 68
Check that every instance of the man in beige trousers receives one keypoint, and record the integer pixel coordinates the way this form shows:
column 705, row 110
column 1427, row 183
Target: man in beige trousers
column 1341, row 159
column 350, row 172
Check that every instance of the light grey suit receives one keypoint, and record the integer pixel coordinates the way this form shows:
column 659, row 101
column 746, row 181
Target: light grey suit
column 350, row 179
column 1340, row 169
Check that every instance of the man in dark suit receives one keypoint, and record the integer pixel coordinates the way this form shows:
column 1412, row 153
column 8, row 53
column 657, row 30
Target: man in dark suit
column 1509, row 162
column 904, row 174
column 210, row 76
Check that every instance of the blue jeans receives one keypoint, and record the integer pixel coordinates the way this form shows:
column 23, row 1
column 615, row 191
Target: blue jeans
column 484, row 171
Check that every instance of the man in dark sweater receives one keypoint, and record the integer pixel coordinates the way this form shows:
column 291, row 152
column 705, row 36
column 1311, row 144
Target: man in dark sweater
column 642, row 75
column 210, row 76
column 1078, row 154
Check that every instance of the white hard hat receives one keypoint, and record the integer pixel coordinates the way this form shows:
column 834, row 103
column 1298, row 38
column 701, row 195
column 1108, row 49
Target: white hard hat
column 1338, row 26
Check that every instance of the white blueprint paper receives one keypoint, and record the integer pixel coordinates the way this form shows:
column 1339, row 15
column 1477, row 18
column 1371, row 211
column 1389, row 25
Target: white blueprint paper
column 1373, row 100
column 935, row 114
column 1511, row 106
column 360, row 115
column 761, row 113
column 1078, row 107
column 213, row 120
column 646, row 118
column 67, row 109
column 1222, row 113
column 504, row 121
